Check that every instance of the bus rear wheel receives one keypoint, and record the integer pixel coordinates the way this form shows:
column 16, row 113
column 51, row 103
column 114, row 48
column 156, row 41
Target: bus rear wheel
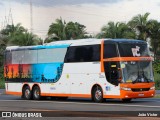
column 97, row 95
column 36, row 93
column 27, row 94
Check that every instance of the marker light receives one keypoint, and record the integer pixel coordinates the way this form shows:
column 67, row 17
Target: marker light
column 152, row 88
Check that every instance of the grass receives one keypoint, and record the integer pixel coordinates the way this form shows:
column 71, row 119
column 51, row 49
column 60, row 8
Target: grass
column 157, row 96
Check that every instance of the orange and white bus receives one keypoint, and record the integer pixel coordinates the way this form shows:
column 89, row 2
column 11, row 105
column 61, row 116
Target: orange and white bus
column 87, row 68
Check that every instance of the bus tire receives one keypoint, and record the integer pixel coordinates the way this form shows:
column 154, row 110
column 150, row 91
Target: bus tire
column 36, row 93
column 27, row 94
column 97, row 95
column 126, row 100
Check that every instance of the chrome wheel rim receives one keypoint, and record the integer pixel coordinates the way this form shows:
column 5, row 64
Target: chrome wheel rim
column 27, row 93
column 36, row 93
column 98, row 94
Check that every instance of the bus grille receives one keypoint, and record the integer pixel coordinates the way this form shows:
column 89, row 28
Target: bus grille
column 140, row 89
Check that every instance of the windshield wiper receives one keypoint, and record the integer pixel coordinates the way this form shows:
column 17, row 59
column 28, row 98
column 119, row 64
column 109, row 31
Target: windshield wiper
column 145, row 78
column 141, row 78
column 137, row 80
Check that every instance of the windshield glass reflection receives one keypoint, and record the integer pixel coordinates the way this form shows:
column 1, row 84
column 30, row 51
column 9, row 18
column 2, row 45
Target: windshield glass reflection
column 137, row 72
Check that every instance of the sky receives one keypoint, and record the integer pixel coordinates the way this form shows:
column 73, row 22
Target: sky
column 94, row 14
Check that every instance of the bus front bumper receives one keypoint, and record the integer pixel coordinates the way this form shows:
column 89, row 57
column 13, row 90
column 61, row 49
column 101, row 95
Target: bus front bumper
column 139, row 94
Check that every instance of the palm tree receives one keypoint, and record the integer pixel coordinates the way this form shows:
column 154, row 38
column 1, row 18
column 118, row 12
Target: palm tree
column 116, row 30
column 75, row 30
column 139, row 24
column 58, row 29
column 154, row 33
column 25, row 39
column 110, row 30
column 18, row 35
column 13, row 29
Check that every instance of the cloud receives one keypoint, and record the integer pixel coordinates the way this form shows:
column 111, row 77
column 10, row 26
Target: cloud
column 49, row 3
column 1, row 3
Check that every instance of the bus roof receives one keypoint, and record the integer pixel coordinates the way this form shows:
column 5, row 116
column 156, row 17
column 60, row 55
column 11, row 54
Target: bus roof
column 67, row 43
column 89, row 41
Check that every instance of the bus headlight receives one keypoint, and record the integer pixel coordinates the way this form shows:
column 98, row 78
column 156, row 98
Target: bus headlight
column 152, row 88
column 125, row 88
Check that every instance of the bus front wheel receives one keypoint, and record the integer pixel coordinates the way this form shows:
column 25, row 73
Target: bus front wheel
column 27, row 95
column 36, row 93
column 97, row 94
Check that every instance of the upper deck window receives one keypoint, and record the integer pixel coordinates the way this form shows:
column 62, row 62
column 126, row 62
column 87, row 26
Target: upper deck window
column 35, row 56
column 133, row 49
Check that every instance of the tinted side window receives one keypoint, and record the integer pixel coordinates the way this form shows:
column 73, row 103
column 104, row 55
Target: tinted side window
column 110, row 50
column 87, row 53
column 8, row 57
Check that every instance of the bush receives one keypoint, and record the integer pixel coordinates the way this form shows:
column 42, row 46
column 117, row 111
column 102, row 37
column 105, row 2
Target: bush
column 2, row 84
column 157, row 80
column 156, row 66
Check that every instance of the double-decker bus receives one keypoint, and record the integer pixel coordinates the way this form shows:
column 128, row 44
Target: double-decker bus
column 87, row 68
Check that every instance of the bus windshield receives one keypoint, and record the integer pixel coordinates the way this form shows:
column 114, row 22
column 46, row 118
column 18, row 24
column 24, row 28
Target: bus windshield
column 136, row 72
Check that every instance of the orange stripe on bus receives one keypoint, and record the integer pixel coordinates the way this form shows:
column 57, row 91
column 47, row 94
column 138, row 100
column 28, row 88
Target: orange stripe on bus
column 53, row 94
column 14, row 93
column 111, row 96
column 128, row 59
column 66, row 95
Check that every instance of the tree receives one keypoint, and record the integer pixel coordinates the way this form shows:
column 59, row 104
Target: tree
column 75, row 30
column 13, row 29
column 154, row 33
column 140, row 24
column 60, row 30
column 24, row 39
column 18, row 35
column 116, row 30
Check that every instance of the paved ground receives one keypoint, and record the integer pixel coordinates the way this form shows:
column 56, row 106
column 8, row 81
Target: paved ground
column 157, row 91
column 83, row 108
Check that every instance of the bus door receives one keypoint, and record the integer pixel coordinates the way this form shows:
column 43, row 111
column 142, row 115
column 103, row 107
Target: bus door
column 111, row 68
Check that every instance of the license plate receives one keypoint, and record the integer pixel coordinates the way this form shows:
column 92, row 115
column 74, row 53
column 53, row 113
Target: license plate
column 141, row 94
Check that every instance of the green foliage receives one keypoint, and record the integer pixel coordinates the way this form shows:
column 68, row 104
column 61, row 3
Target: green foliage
column 157, row 81
column 2, row 82
column 140, row 24
column 17, row 35
column 156, row 66
column 1, row 73
column 60, row 30
column 116, row 30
